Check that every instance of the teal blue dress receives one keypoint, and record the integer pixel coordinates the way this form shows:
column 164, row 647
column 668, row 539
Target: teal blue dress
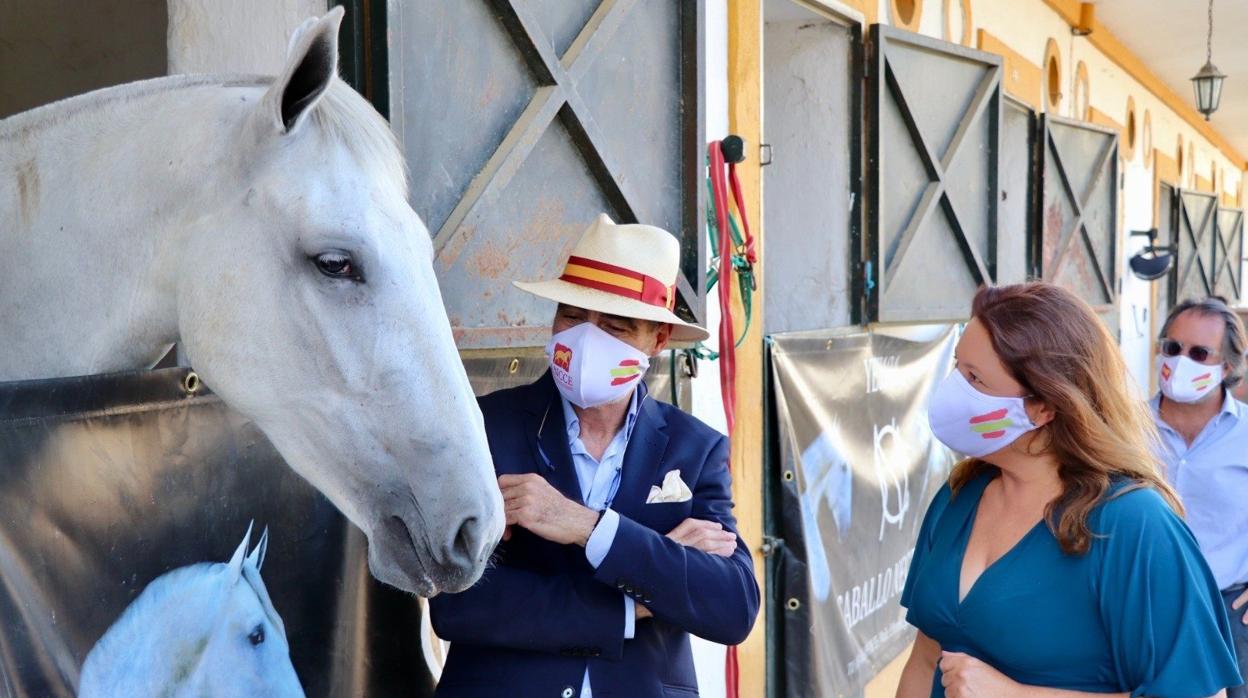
column 1138, row 613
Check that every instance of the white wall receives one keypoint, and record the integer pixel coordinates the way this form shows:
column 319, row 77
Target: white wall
column 1136, row 303
column 234, row 36
column 708, row 657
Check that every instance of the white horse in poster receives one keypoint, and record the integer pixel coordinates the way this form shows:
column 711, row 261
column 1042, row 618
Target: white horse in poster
column 263, row 224
column 208, row 629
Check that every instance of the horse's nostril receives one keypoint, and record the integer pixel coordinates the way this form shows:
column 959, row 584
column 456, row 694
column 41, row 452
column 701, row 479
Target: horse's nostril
column 464, row 547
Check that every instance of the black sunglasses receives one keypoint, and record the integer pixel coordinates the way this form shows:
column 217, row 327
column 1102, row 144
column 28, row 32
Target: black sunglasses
column 1199, row 354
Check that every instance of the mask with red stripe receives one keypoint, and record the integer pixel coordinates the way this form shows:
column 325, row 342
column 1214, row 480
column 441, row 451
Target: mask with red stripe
column 973, row 423
column 592, row 368
column 1184, row 380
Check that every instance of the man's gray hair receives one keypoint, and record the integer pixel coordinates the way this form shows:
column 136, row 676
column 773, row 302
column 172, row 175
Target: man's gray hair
column 1234, row 339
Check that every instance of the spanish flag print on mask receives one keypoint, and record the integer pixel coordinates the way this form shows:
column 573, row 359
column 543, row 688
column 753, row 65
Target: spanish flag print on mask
column 974, row 423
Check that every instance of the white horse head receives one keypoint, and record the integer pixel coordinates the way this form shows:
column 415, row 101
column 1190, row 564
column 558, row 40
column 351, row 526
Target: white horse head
column 264, row 225
column 203, row 630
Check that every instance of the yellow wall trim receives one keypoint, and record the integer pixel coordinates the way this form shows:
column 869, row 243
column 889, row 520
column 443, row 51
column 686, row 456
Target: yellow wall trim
column 1053, row 78
column 1100, row 118
column 1103, row 39
column 1023, row 79
column 967, row 34
column 745, row 104
column 1082, row 93
column 1146, row 138
column 1130, row 131
column 916, row 13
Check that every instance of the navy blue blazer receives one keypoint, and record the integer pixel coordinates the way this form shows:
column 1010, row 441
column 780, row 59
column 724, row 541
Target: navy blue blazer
column 541, row 614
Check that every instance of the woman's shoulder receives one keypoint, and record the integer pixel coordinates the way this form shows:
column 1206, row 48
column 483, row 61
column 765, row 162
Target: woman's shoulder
column 1134, row 506
column 967, row 495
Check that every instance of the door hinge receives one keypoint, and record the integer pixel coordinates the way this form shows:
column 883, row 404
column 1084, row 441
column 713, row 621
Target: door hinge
column 771, row 544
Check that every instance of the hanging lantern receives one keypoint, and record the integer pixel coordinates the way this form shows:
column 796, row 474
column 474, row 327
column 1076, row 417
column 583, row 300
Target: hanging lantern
column 1208, row 82
column 1208, row 87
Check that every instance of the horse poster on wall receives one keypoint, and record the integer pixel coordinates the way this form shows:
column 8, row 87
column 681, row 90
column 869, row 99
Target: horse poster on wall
column 111, row 482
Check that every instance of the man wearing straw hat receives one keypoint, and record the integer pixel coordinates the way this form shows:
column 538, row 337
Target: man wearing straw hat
column 621, row 539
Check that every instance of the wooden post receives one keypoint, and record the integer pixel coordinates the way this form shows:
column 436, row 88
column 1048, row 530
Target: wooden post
column 745, row 57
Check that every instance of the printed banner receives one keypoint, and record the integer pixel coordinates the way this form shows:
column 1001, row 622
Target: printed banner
column 857, row 467
column 109, row 483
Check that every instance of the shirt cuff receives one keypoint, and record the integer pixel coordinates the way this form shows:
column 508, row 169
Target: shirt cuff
column 630, row 618
column 599, row 543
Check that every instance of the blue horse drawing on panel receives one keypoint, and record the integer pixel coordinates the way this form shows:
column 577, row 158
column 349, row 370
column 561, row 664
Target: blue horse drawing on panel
column 208, row 629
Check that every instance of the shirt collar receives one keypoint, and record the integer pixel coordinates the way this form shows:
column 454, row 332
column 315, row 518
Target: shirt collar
column 1230, row 406
column 574, row 423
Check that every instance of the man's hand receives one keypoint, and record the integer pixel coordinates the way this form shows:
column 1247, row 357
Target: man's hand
column 531, row 502
column 964, row 676
column 1239, row 604
column 640, row 612
column 707, row 536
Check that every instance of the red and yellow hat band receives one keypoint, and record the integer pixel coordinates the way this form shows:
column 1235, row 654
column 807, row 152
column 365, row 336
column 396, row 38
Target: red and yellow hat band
column 627, row 283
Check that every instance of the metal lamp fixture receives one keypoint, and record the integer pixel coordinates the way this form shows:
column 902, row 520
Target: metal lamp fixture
column 1154, row 261
column 1208, row 82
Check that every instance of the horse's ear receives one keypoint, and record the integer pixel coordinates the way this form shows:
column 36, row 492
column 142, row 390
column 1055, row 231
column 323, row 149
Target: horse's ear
column 257, row 555
column 235, row 568
column 311, row 64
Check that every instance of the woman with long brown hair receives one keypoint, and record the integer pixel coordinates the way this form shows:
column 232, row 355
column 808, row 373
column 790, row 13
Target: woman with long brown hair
column 1055, row 562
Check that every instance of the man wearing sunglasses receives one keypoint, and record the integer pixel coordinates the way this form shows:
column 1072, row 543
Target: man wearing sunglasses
column 1204, row 432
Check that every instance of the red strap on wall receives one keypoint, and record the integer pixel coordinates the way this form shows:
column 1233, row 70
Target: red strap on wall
column 727, row 334
column 739, row 199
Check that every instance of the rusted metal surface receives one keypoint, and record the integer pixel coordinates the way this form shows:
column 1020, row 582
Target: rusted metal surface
column 1079, row 189
column 523, row 119
column 934, row 122
column 1194, row 250
column 1228, row 254
column 1018, row 125
column 814, row 106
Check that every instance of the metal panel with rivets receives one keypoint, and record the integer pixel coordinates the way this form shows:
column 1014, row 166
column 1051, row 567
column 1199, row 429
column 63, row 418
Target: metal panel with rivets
column 1196, row 233
column 1228, row 254
column 1078, row 232
column 523, row 119
column 934, row 125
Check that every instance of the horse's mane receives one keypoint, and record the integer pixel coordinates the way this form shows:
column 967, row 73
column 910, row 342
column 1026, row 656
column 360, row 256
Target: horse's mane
column 342, row 116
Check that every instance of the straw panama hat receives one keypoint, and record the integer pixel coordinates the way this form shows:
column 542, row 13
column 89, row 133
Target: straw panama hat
column 625, row 270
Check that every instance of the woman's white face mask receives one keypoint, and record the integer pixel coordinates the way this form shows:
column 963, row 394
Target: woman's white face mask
column 973, row 423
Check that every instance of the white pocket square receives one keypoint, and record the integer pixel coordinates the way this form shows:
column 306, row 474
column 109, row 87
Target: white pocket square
column 673, row 490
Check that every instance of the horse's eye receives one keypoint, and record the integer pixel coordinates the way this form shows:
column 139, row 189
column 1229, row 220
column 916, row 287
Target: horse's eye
column 337, row 265
column 256, row 636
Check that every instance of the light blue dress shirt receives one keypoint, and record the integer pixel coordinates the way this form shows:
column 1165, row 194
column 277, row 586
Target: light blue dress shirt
column 599, row 480
column 1211, row 477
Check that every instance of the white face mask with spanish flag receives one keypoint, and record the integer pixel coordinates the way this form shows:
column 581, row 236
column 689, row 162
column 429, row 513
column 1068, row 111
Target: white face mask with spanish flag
column 592, row 368
column 973, row 423
column 1184, row 380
